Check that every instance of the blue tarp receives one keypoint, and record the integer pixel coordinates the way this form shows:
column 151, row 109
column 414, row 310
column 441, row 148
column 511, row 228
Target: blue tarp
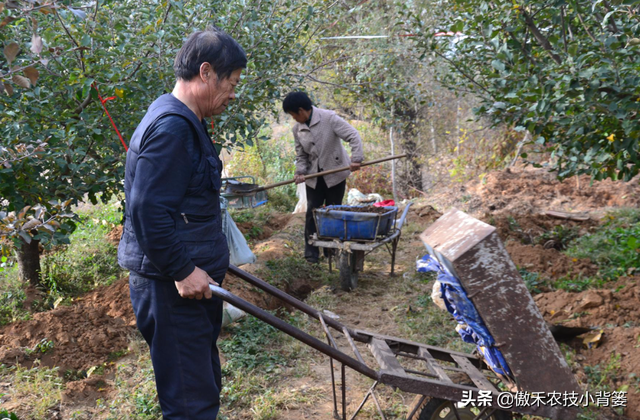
column 470, row 325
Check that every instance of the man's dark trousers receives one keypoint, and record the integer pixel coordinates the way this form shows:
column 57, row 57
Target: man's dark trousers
column 321, row 195
column 182, row 335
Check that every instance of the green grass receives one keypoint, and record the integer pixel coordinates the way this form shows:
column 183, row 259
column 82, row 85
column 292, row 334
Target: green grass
column 11, row 298
column 135, row 389
column 90, row 260
column 257, row 356
column 426, row 323
column 39, row 389
column 285, row 271
column 614, row 246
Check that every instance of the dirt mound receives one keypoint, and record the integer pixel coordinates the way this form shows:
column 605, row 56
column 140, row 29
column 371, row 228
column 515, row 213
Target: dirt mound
column 595, row 308
column 245, row 291
column 423, row 213
column 262, row 231
column 616, row 311
column 549, row 263
column 85, row 391
column 531, row 190
column 115, row 234
column 73, row 337
column 529, row 228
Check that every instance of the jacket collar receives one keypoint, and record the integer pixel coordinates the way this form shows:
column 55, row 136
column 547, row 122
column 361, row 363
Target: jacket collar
column 315, row 119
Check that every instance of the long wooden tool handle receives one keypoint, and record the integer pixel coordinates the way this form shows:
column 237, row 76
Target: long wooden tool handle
column 330, row 171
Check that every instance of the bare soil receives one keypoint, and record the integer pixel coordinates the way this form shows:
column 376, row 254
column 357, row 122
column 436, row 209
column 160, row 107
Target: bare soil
column 616, row 311
column 84, row 334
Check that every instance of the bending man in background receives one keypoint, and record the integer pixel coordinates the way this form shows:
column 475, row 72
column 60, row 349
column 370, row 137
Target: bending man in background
column 318, row 133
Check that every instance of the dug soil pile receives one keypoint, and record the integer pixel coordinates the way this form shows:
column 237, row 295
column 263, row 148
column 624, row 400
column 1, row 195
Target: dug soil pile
column 528, row 190
column 616, row 312
column 84, row 335
column 517, row 202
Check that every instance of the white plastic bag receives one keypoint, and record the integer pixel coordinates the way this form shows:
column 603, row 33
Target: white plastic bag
column 239, row 251
column 231, row 314
column 301, row 193
column 356, row 198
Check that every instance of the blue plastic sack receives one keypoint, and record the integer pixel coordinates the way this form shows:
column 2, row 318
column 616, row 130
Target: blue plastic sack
column 471, row 327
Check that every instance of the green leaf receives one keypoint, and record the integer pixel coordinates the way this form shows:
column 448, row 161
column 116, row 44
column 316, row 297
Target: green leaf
column 86, row 41
column 498, row 65
column 80, row 14
column 25, row 236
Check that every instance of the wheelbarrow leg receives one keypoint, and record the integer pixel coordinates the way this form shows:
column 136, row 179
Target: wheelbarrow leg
column 330, row 258
column 348, row 265
column 394, row 246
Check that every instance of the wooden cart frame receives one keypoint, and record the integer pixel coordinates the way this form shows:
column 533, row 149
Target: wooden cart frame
column 433, row 380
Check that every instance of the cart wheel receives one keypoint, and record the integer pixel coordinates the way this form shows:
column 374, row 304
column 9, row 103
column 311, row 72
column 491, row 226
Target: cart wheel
column 437, row 409
column 348, row 271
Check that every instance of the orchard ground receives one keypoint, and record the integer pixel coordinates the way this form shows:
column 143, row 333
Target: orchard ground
column 84, row 359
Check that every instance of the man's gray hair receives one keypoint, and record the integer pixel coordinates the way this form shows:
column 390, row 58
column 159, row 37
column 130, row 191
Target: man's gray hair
column 213, row 46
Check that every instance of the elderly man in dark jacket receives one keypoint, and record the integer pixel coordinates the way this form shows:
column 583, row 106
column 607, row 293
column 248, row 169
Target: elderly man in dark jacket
column 318, row 137
column 172, row 241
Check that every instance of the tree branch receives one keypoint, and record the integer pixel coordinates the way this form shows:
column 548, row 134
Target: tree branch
column 575, row 6
column 326, row 63
column 466, row 76
column 135, row 70
column 520, row 45
column 83, row 104
column 612, row 25
column 564, row 29
column 544, row 42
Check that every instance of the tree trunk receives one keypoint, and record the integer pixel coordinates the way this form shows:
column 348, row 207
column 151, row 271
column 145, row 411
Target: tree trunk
column 29, row 262
column 433, row 137
column 414, row 169
column 393, row 166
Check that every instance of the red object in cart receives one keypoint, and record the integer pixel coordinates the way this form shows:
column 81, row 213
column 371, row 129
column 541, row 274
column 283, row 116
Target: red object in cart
column 385, row 203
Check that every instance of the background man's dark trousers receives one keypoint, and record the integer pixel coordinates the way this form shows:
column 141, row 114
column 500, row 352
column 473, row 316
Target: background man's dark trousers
column 321, row 195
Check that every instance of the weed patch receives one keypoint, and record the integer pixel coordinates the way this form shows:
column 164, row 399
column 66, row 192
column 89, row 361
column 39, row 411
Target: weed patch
column 578, row 284
column 257, row 355
column 39, row 389
column 247, row 346
column 11, row 309
column 531, row 280
column 430, row 325
column 135, row 385
column 559, row 237
column 614, row 247
column 90, row 260
column 284, row 271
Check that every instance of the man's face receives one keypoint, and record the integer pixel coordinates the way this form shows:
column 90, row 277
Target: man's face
column 220, row 92
column 301, row 116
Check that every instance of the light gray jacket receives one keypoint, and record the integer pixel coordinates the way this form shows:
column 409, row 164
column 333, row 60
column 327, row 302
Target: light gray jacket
column 318, row 146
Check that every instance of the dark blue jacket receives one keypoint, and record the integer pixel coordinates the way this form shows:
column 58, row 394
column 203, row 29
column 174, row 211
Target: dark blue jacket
column 172, row 186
